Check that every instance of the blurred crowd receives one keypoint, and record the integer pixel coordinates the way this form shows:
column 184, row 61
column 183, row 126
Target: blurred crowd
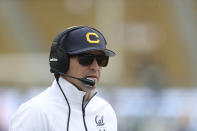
column 137, row 108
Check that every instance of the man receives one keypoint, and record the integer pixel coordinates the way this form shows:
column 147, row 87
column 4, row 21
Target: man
column 76, row 59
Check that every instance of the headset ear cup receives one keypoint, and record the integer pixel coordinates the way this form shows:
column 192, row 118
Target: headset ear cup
column 63, row 62
column 53, row 59
column 59, row 61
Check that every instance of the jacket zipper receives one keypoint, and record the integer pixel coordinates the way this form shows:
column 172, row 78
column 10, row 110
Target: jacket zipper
column 83, row 110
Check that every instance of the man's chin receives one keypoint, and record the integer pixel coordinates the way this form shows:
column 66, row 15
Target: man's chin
column 88, row 88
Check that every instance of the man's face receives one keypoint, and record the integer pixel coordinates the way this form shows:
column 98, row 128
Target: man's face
column 92, row 72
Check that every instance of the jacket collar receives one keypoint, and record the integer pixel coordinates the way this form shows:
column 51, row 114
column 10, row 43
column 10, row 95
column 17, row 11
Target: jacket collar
column 73, row 95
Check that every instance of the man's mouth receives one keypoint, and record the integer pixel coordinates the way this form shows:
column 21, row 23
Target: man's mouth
column 94, row 78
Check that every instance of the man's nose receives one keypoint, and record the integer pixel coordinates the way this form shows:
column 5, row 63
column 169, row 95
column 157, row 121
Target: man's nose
column 95, row 65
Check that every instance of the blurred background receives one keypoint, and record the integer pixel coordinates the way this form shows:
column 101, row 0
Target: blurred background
column 151, row 82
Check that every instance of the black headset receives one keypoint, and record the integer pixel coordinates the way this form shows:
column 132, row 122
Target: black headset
column 59, row 58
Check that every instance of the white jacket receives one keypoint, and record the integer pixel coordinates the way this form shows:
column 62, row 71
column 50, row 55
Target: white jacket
column 49, row 112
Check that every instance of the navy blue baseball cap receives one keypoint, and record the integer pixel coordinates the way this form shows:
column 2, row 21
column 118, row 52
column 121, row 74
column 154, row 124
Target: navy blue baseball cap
column 80, row 39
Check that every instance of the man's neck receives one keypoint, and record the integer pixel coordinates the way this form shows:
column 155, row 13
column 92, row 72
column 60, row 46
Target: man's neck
column 89, row 95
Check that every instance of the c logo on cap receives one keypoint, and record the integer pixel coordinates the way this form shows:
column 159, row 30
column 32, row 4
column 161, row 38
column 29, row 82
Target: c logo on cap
column 92, row 41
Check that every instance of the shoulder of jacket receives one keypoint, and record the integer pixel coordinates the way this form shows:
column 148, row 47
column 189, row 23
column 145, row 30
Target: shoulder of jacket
column 28, row 116
column 102, row 103
column 100, row 100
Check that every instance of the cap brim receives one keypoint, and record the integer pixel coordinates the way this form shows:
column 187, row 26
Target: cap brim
column 107, row 52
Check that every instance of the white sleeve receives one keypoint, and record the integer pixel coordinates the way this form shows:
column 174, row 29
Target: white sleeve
column 114, row 123
column 29, row 118
column 115, row 127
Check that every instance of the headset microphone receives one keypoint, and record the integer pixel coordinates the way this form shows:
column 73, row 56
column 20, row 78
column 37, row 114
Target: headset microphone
column 87, row 81
column 83, row 80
